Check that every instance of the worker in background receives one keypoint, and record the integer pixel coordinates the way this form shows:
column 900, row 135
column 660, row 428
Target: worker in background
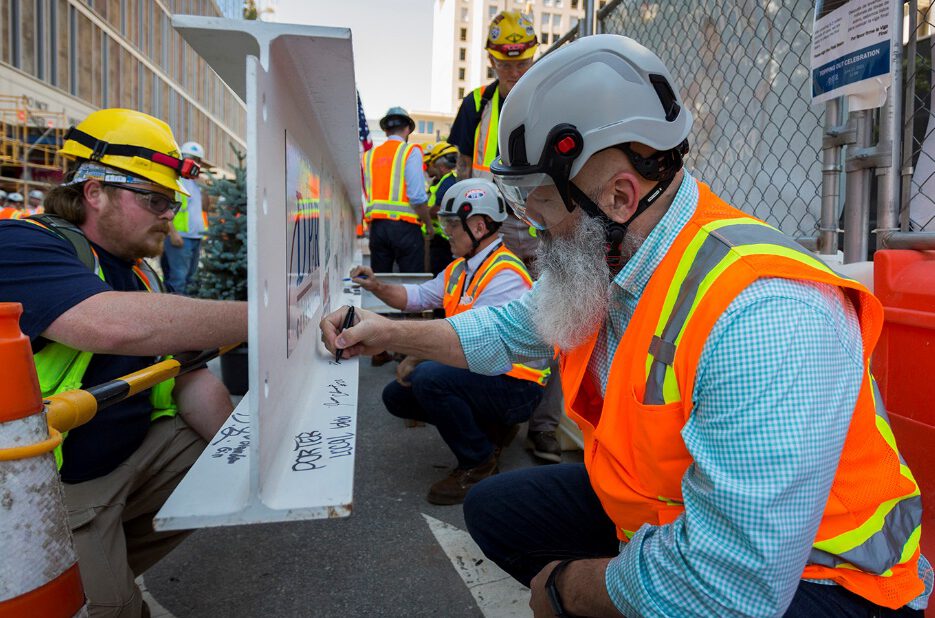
column 35, row 202
column 15, row 207
column 738, row 459
column 476, row 415
column 511, row 47
column 93, row 312
column 182, row 250
column 394, row 185
column 440, row 162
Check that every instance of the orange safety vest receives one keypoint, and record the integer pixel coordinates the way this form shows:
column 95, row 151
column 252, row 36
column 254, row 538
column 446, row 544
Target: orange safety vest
column 868, row 539
column 12, row 213
column 457, row 299
column 385, row 182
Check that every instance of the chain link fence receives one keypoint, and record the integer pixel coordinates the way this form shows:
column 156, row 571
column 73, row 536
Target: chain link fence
column 918, row 203
column 742, row 69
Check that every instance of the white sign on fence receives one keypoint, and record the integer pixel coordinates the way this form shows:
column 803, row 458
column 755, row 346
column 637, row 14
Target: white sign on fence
column 851, row 45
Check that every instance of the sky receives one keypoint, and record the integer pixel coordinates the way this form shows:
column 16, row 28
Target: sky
column 392, row 46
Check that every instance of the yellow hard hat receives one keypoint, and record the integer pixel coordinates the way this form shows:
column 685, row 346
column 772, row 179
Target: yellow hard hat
column 133, row 142
column 512, row 36
column 439, row 150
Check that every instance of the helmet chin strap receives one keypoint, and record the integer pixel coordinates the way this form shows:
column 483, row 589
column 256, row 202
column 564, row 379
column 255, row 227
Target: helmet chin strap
column 616, row 232
column 475, row 242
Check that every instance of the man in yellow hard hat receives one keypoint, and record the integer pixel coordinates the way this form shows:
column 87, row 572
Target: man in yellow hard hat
column 511, row 47
column 93, row 313
column 440, row 162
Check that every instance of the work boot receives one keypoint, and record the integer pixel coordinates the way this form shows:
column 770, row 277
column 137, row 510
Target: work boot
column 380, row 359
column 544, row 445
column 453, row 488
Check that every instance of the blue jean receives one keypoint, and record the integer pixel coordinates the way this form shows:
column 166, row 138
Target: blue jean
column 180, row 263
column 524, row 519
column 459, row 403
column 396, row 242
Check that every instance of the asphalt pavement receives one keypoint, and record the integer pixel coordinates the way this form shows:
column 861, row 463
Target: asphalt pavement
column 382, row 561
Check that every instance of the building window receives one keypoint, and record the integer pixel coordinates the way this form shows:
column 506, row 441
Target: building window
column 463, row 34
column 430, row 126
column 421, row 126
column 546, row 18
column 465, row 14
column 559, row 3
column 461, row 73
column 601, row 4
column 573, row 23
column 556, row 23
column 462, row 54
column 460, row 93
column 548, row 2
column 492, row 11
column 574, row 4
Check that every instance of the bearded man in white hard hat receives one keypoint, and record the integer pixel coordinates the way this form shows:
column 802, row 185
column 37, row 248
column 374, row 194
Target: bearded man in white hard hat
column 737, row 458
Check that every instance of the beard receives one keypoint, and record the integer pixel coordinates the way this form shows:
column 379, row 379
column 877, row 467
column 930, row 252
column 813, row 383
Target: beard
column 573, row 285
column 131, row 246
column 573, row 292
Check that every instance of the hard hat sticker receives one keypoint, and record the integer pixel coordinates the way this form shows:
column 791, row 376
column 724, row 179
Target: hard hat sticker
column 495, row 32
column 475, row 194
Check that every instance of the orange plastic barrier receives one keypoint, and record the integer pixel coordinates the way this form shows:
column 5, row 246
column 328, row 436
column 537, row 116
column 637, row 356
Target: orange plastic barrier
column 904, row 365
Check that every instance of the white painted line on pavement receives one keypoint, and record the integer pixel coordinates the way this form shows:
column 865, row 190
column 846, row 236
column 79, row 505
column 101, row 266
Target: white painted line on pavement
column 497, row 594
column 156, row 610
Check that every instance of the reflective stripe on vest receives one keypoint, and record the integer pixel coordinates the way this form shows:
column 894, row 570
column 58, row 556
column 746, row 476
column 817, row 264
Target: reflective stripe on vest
column 61, row 368
column 385, row 182
column 485, row 135
column 868, row 540
column 457, row 299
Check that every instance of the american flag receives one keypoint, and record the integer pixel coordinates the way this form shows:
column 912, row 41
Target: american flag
column 363, row 131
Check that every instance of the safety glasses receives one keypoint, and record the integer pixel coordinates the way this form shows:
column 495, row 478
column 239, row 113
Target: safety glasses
column 153, row 201
column 512, row 65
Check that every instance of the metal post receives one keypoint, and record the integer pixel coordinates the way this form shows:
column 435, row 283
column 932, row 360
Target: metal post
column 908, row 118
column 586, row 26
column 888, row 176
column 857, row 192
column 830, row 181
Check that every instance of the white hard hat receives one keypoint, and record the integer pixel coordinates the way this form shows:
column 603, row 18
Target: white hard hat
column 15, row 197
column 192, row 149
column 598, row 92
column 37, row 194
column 473, row 196
column 2, row 194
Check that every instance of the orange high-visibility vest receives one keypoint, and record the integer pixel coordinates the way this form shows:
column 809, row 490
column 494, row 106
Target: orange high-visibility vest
column 12, row 213
column 385, row 182
column 457, row 299
column 868, row 539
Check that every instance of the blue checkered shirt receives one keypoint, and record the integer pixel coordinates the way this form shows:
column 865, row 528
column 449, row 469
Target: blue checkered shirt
column 775, row 388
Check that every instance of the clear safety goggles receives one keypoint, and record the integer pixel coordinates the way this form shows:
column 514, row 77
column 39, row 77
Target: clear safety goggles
column 534, row 198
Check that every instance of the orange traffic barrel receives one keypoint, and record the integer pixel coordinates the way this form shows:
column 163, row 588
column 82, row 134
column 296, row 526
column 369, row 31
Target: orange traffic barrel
column 39, row 570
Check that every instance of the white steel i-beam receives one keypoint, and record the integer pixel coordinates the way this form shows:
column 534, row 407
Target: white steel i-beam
column 287, row 452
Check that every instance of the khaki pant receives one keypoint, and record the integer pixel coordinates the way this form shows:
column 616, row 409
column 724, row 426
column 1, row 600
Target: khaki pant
column 111, row 518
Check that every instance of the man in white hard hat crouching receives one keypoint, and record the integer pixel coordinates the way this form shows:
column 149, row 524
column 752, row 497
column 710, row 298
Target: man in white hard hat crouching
column 738, row 460
column 475, row 414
